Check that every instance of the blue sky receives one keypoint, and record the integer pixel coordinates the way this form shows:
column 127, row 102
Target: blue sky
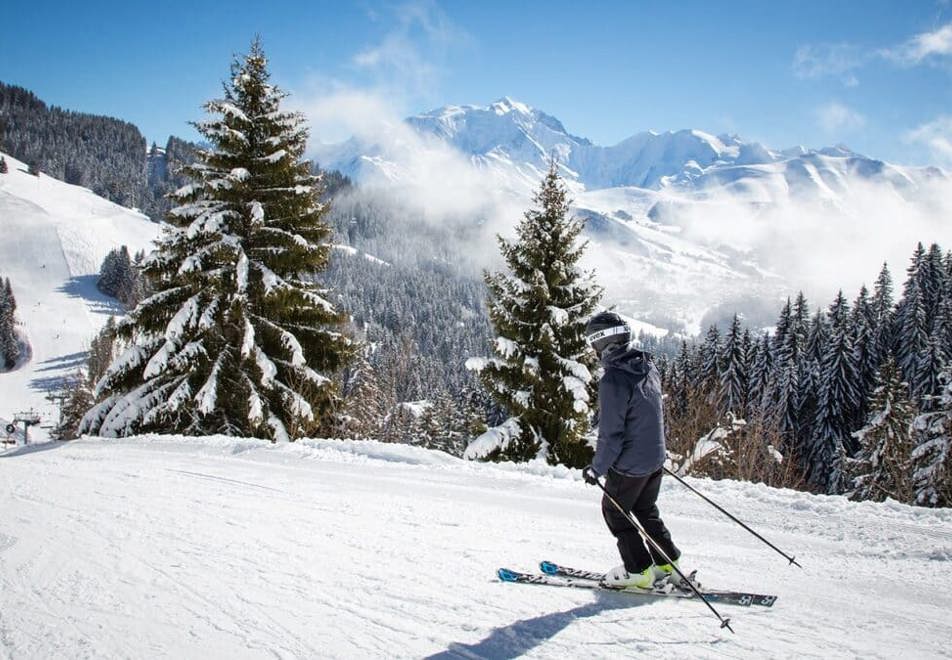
column 871, row 74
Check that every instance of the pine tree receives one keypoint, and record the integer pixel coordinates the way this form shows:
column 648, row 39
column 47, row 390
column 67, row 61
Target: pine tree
column 761, row 373
column 681, row 381
column 102, row 352
column 837, row 400
column 79, row 398
column 881, row 467
column 912, row 333
column 862, row 319
column 541, row 372
column 9, row 342
column 3, row 166
column 883, row 317
column 237, row 339
column 4, row 326
column 810, row 379
column 734, row 376
column 932, row 456
column 711, row 368
column 365, row 404
column 783, row 327
column 931, row 280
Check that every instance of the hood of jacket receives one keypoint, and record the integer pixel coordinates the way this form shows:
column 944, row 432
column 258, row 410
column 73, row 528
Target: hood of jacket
column 625, row 358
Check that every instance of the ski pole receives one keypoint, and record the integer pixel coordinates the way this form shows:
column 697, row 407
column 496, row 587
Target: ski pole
column 792, row 560
column 725, row 623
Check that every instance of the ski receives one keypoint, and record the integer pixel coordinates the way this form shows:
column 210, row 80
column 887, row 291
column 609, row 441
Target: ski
column 714, row 595
column 507, row 575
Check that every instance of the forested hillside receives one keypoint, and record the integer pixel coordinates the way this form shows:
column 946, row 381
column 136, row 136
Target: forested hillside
column 104, row 154
column 100, row 153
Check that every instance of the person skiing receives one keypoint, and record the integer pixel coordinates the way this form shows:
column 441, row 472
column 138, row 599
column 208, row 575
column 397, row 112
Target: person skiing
column 630, row 452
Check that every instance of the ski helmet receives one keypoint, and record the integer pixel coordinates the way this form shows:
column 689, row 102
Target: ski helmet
column 605, row 329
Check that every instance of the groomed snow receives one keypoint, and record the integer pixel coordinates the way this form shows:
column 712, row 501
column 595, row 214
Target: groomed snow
column 215, row 547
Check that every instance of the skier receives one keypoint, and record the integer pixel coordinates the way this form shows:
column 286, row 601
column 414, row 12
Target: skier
column 630, row 452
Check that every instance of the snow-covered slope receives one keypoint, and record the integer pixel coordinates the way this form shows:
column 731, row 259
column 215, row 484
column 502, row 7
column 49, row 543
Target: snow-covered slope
column 215, row 547
column 681, row 221
column 55, row 236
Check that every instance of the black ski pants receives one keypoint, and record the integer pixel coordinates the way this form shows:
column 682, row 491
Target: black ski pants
column 637, row 495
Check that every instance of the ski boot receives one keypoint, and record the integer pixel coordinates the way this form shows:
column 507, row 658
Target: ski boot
column 620, row 578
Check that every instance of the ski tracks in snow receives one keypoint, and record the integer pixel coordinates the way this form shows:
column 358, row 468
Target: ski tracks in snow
column 167, row 549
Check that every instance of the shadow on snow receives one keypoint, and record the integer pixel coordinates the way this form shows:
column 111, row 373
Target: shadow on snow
column 520, row 637
column 23, row 450
column 84, row 286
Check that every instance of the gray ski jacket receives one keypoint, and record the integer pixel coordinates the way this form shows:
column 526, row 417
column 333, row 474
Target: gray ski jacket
column 630, row 415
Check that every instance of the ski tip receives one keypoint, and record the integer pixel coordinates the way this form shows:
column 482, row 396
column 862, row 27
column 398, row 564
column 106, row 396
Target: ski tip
column 548, row 568
column 506, row 575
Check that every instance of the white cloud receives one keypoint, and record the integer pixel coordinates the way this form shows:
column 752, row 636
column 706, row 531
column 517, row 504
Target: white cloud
column 407, row 59
column 834, row 117
column 822, row 245
column 834, row 60
column 922, row 47
column 842, row 60
column 935, row 135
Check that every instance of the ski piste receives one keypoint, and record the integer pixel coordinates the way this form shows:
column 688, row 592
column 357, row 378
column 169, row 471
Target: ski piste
column 563, row 576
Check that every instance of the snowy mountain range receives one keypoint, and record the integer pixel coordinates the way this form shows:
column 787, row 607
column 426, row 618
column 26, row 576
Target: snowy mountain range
column 514, row 138
column 682, row 221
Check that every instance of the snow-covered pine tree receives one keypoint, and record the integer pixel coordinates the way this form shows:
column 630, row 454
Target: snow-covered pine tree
column 932, row 282
column 912, row 332
column 365, row 405
column 882, row 309
column 782, row 328
column 761, row 373
column 711, row 358
column 734, row 375
column 237, row 338
column 784, row 400
column 680, row 381
column 932, row 455
column 79, row 398
column 811, row 376
column 881, row 467
column 9, row 343
column 862, row 319
column 3, row 325
column 837, row 400
column 542, row 369
column 116, row 272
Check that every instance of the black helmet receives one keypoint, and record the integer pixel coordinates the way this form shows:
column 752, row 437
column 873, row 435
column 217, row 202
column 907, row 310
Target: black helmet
column 605, row 329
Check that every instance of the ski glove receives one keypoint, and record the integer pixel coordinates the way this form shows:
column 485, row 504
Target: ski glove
column 590, row 476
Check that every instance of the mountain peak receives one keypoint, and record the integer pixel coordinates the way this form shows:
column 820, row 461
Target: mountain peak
column 505, row 105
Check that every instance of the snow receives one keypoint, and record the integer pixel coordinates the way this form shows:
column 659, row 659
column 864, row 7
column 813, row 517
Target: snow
column 55, row 238
column 506, row 347
column 218, row 547
column 352, row 252
column 497, row 437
